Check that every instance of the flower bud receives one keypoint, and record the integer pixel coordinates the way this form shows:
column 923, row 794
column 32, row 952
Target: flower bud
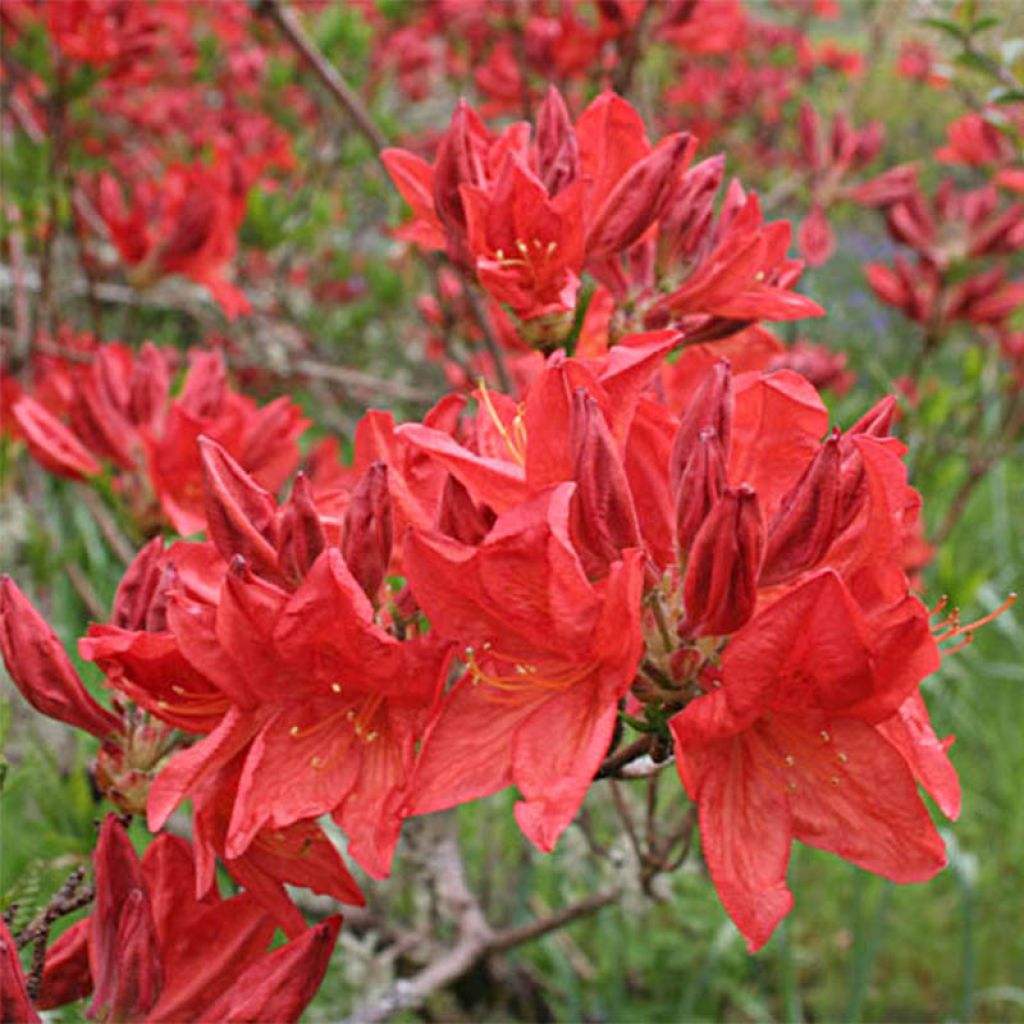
column 557, row 151
column 156, row 613
column 604, row 519
column 137, row 587
column 877, row 421
column 148, row 387
column 460, row 161
column 51, row 443
column 241, row 517
column 98, row 422
column 125, row 956
column 15, row 1004
column 301, row 537
column 809, row 126
column 807, row 520
column 66, row 976
column 701, row 485
column 720, row 588
column 129, row 983
column 41, row 669
column 639, row 198
column 460, row 517
column 203, row 392
column 689, row 213
column 712, row 407
column 366, row 536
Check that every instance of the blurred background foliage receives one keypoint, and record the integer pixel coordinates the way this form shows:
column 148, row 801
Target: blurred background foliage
column 856, row 947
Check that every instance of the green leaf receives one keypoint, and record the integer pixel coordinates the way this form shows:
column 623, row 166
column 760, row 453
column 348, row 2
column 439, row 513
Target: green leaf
column 1004, row 95
column 984, row 23
column 951, row 28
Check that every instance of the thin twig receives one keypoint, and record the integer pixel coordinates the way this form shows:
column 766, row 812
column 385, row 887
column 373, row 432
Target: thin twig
column 71, row 896
column 626, row 818
column 630, row 49
column 409, row 993
column 612, row 764
column 975, row 474
column 122, row 547
column 284, row 17
column 490, row 339
column 358, row 380
column 84, row 589
column 510, row 937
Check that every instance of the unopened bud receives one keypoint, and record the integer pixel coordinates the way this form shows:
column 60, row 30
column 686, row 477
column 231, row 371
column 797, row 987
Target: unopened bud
column 203, row 392
column 557, row 152
column 807, row 520
column 877, row 421
column 810, row 136
column 366, row 537
column 51, row 443
column 720, row 588
column 241, row 517
column 458, row 163
column 701, row 485
column 41, row 669
column 639, row 198
column 711, row 406
column 134, row 982
column 148, row 387
column 301, row 534
column 15, row 1002
column 137, row 587
column 604, row 519
column 460, row 517
column 156, row 613
column 124, row 955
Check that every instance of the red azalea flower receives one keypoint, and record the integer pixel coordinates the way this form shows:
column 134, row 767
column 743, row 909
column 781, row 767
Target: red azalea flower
column 118, row 408
column 185, row 223
column 289, row 666
column 786, row 745
column 152, row 951
column 548, row 654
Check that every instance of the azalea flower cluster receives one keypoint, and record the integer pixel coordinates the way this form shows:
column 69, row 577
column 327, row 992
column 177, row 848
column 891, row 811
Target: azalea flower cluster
column 510, row 213
column 964, row 243
column 649, row 524
column 96, row 405
column 733, row 67
column 725, row 568
column 151, row 950
column 159, row 107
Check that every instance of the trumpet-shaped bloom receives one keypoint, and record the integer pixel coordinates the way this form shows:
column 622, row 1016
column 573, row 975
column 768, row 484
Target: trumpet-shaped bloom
column 790, row 743
column 548, row 655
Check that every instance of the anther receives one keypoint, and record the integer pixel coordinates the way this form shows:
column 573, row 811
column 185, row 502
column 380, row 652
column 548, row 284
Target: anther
column 842, row 758
column 294, row 730
column 790, row 760
column 336, row 687
column 834, row 780
column 316, row 762
column 825, row 736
